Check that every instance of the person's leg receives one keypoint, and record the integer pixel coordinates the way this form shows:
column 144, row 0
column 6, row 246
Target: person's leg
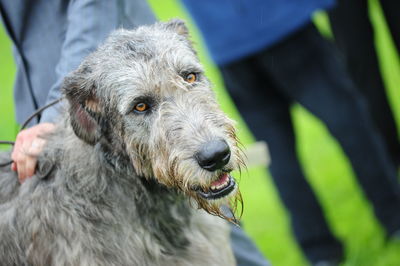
column 391, row 9
column 245, row 251
column 307, row 67
column 354, row 36
column 266, row 112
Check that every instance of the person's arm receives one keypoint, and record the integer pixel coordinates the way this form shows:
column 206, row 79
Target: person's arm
column 88, row 23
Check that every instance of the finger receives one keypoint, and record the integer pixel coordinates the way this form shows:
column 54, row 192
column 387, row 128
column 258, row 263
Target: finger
column 21, row 167
column 47, row 127
column 21, row 180
column 30, row 166
column 22, row 159
column 18, row 157
column 36, row 146
column 27, row 147
column 42, row 129
column 14, row 167
column 17, row 146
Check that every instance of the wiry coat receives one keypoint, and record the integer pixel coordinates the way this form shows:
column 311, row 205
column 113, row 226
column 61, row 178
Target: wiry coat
column 117, row 187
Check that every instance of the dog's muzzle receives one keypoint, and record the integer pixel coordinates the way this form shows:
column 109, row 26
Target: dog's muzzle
column 220, row 188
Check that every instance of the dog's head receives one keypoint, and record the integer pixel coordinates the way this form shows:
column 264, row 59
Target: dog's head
column 143, row 96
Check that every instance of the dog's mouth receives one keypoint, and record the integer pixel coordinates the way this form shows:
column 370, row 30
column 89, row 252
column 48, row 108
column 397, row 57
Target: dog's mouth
column 222, row 187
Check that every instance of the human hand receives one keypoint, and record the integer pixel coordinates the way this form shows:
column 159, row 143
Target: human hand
column 28, row 145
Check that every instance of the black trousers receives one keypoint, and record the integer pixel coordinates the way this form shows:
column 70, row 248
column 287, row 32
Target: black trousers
column 354, row 36
column 304, row 68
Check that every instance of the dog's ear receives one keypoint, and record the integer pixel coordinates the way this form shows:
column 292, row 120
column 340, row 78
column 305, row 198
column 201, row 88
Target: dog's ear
column 178, row 26
column 84, row 109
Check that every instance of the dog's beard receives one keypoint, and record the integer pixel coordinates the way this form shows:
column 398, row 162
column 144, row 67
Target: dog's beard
column 231, row 211
column 232, row 204
column 229, row 208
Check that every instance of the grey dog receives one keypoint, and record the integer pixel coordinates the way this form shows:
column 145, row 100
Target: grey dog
column 135, row 168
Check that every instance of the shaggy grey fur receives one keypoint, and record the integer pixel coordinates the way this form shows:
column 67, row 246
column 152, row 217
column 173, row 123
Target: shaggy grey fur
column 116, row 186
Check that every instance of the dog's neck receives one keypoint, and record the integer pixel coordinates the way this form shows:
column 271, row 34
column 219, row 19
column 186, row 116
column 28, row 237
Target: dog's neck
column 164, row 212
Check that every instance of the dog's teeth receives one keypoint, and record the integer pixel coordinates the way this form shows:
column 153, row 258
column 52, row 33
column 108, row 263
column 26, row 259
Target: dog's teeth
column 220, row 186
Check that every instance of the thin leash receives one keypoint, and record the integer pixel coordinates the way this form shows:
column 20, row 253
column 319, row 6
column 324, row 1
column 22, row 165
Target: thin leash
column 25, row 124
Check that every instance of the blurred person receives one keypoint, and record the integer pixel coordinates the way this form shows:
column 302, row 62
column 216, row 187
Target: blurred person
column 50, row 38
column 354, row 35
column 271, row 55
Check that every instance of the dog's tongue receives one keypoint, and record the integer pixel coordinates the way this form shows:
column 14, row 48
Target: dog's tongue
column 224, row 177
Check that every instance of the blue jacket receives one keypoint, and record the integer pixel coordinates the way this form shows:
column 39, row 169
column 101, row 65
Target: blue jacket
column 233, row 29
column 51, row 37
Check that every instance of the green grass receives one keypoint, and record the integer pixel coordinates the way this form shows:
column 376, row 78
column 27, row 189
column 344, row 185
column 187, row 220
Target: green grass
column 7, row 73
column 327, row 169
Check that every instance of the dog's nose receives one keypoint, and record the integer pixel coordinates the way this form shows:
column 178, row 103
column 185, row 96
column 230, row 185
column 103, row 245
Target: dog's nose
column 213, row 155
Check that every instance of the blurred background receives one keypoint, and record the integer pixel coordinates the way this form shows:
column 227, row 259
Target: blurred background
column 265, row 219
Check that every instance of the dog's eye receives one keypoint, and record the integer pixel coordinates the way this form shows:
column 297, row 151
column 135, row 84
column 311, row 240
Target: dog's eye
column 191, row 77
column 141, row 107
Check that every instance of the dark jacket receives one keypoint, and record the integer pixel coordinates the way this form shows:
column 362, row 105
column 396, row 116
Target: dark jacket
column 233, row 29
